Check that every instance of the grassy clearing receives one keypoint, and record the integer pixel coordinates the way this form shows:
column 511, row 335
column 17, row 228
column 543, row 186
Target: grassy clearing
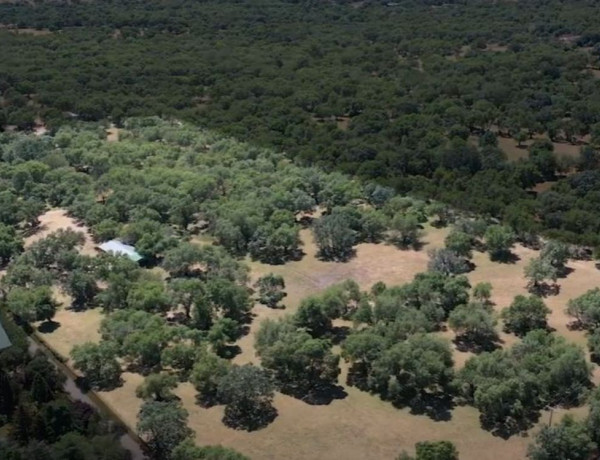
column 515, row 153
column 360, row 425
column 56, row 219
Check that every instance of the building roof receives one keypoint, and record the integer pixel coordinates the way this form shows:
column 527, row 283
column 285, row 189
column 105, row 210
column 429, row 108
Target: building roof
column 121, row 249
column 4, row 340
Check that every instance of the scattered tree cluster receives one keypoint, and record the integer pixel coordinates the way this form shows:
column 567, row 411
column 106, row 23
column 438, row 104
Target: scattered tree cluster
column 511, row 386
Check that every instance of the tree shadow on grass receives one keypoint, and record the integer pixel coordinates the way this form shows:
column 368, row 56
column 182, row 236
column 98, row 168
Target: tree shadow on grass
column 507, row 257
column 544, row 289
column 464, row 343
column 510, row 427
column 207, row 401
column 563, row 272
column 83, row 384
column 253, row 421
column 339, row 334
column 337, row 257
column 48, row 327
column 229, row 351
column 322, row 395
column 576, row 325
column 437, row 407
column 415, row 245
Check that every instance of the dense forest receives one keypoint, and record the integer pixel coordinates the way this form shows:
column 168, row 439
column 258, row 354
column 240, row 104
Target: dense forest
column 418, row 95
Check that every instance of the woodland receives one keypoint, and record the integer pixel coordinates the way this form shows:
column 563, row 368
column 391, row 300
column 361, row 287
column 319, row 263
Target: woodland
column 417, row 95
column 241, row 128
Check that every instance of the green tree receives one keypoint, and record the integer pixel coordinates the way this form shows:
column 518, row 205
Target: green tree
column 180, row 357
column 10, row 244
column 482, row 292
column 537, row 271
column 148, row 295
column 98, row 363
column 586, row 309
column 474, row 324
column 180, row 260
column 82, row 287
column 447, row 262
column 248, row 394
column 409, row 370
column 188, row 293
column 311, row 315
column 188, row 451
column 405, row 230
column 163, row 425
column 556, row 253
column 206, row 375
column 334, row 237
column 302, row 365
column 157, row 387
column 436, row 450
column 566, row 440
column 525, row 314
column 228, row 298
column 499, row 240
column 32, row 304
column 270, row 289
column 223, row 332
column 459, row 242
column 275, row 244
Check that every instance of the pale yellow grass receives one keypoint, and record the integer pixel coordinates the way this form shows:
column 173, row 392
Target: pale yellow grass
column 75, row 328
column 508, row 281
column 310, row 275
column 123, row 401
column 360, row 426
column 56, row 219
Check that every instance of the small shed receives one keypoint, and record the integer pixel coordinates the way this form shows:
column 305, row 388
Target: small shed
column 4, row 340
column 120, row 249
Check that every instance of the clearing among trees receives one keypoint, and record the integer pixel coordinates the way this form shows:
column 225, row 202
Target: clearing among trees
column 325, row 323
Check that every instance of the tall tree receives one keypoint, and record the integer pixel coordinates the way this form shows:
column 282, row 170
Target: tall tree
column 248, row 394
column 163, row 425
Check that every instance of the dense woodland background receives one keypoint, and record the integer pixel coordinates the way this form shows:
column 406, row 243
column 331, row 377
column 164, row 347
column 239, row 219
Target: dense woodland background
column 414, row 94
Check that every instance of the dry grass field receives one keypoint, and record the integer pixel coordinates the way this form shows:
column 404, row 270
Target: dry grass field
column 359, row 426
column 514, row 152
column 56, row 219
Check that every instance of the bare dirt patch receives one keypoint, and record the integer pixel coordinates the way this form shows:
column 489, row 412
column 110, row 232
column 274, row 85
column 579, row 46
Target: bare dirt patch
column 56, row 219
column 112, row 133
